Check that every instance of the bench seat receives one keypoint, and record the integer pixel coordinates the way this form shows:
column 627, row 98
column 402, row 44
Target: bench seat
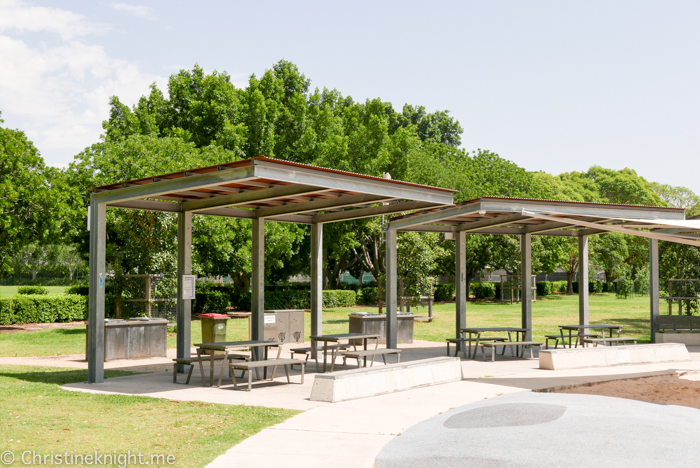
column 510, row 344
column 308, row 350
column 469, row 340
column 558, row 337
column 620, row 339
column 274, row 363
column 191, row 361
column 365, row 353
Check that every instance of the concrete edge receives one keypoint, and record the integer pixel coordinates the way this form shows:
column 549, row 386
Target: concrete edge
column 387, row 368
column 590, row 384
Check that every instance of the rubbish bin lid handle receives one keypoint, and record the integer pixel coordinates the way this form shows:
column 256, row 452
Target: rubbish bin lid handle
column 213, row 315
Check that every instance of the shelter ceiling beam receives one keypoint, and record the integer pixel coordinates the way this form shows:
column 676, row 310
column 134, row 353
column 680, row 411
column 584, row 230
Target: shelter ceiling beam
column 433, row 216
column 251, row 196
column 318, row 205
column 148, row 205
column 493, row 222
column 391, row 208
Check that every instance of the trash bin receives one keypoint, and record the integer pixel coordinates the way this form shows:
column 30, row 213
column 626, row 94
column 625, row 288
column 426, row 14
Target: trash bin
column 213, row 327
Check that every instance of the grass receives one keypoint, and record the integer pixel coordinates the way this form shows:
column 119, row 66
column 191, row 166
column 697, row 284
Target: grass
column 38, row 415
column 7, row 291
column 547, row 314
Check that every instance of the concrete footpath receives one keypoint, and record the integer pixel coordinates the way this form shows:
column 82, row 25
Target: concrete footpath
column 352, row 433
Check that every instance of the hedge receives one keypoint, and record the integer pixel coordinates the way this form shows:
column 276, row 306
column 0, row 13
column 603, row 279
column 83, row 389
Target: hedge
column 79, row 289
column 443, row 292
column 217, row 299
column 483, row 290
column 29, row 290
column 544, row 288
column 42, row 309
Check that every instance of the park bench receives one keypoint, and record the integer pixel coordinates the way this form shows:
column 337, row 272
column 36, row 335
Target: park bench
column 274, row 363
column 619, row 340
column 307, row 350
column 677, row 324
column 510, row 344
column 467, row 340
column 365, row 353
column 191, row 361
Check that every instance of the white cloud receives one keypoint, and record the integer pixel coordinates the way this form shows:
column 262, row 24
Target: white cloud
column 58, row 93
column 137, row 10
column 20, row 17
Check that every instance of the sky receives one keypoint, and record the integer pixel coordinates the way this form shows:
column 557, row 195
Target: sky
column 552, row 86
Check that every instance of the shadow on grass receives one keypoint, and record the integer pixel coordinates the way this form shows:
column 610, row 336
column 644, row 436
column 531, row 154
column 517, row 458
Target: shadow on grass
column 57, row 377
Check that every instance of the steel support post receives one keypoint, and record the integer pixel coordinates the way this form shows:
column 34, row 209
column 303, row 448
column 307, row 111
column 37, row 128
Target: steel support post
column 460, row 284
column 583, row 318
column 655, row 309
column 96, row 299
column 316, row 281
column 392, row 339
column 525, row 283
column 257, row 283
column 184, row 267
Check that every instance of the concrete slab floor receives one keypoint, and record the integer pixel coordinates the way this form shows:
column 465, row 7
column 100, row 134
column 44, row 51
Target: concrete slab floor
column 351, row 433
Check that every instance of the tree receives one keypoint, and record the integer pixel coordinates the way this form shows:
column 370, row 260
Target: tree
column 609, row 253
column 34, row 257
column 69, row 257
column 32, row 197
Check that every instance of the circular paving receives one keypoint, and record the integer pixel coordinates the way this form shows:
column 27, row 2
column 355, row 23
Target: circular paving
column 524, row 430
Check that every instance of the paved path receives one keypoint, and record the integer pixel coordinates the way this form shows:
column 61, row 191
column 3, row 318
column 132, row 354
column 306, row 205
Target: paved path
column 548, row 430
column 352, row 433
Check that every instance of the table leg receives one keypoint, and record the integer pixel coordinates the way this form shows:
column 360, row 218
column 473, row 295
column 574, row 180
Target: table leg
column 223, row 368
column 325, row 354
column 476, row 345
column 201, row 367
column 364, row 346
column 211, row 369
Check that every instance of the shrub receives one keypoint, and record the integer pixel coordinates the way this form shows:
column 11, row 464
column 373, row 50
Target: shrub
column 301, row 299
column 210, row 302
column 559, row 286
column 29, row 290
column 368, row 295
column 79, row 289
column 444, row 292
column 544, row 288
column 42, row 309
column 609, row 287
column 483, row 290
column 288, row 299
column 595, row 286
column 624, row 288
column 338, row 298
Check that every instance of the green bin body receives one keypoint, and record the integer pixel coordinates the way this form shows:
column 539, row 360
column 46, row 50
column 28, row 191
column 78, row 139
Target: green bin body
column 213, row 328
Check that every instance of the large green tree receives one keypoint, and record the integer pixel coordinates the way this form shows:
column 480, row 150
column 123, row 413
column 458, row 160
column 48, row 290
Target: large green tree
column 32, row 197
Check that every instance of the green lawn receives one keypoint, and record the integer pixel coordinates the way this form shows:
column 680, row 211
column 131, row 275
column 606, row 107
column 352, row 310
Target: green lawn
column 38, row 415
column 7, row 291
column 632, row 314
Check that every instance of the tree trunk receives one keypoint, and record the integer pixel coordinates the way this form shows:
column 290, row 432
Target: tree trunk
column 570, row 282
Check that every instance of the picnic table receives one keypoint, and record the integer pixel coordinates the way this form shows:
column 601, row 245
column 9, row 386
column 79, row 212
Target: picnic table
column 228, row 346
column 579, row 329
column 519, row 335
column 335, row 338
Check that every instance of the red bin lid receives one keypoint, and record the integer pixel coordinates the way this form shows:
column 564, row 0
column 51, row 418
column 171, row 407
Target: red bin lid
column 213, row 315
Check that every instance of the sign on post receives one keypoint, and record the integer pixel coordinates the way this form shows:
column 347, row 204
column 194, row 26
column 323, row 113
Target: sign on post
column 188, row 286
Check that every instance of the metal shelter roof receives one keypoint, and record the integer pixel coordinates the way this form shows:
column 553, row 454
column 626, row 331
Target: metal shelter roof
column 498, row 215
column 272, row 189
